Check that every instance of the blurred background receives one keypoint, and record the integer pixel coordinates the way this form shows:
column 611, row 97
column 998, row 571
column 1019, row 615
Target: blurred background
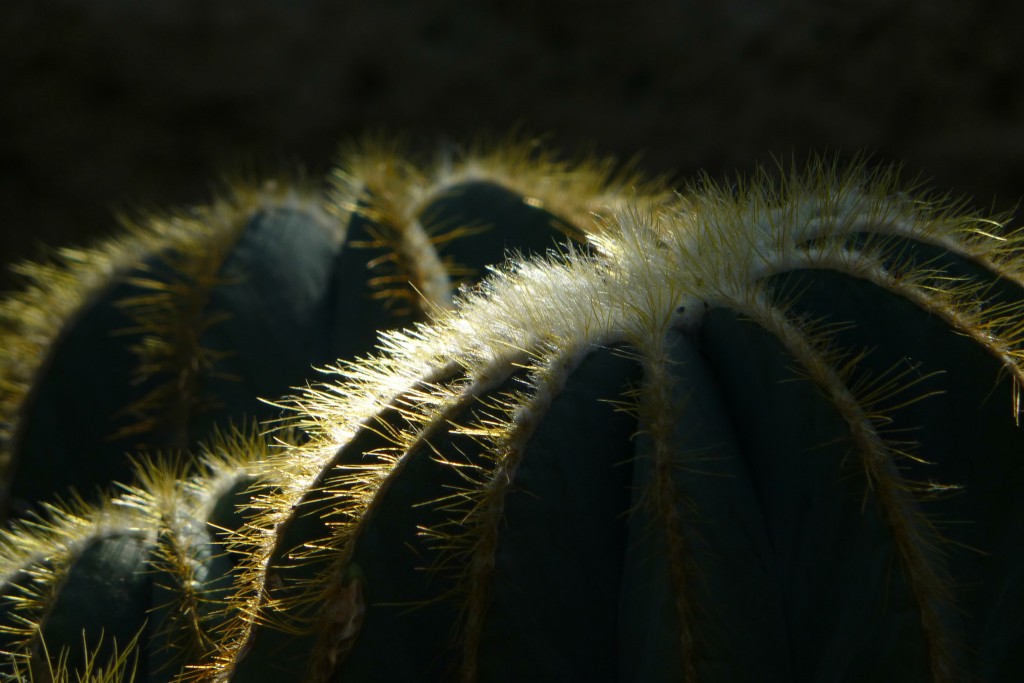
column 117, row 104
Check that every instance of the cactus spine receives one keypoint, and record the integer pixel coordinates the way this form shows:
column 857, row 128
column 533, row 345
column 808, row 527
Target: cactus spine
column 751, row 435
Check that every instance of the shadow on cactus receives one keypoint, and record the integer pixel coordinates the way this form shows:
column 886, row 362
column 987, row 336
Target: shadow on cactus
column 151, row 340
column 761, row 435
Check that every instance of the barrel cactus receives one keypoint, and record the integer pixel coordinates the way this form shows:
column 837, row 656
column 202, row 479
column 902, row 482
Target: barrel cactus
column 760, row 434
column 154, row 338
column 137, row 584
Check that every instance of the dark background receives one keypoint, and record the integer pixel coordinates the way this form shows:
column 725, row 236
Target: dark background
column 111, row 104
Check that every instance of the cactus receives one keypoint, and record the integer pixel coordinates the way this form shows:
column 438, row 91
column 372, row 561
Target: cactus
column 136, row 343
column 765, row 434
column 145, row 571
column 185, row 323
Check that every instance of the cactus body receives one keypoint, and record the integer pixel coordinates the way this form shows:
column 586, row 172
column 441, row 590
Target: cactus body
column 168, row 347
column 765, row 435
column 169, row 332
column 145, row 576
column 152, row 341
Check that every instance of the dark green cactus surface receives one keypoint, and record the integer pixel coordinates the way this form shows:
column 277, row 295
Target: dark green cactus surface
column 770, row 434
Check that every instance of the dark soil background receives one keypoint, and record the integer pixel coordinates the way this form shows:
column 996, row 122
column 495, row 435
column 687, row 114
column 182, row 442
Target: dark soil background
column 107, row 104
